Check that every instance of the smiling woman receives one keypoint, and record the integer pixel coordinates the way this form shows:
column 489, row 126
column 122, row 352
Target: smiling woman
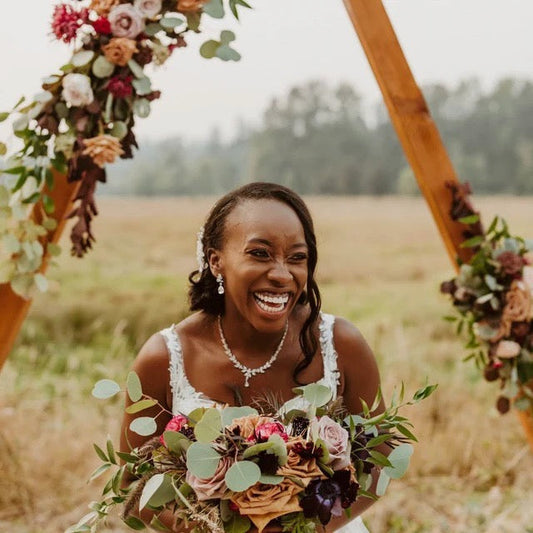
column 258, row 329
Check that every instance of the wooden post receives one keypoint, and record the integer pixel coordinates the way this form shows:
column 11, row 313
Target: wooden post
column 13, row 308
column 416, row 130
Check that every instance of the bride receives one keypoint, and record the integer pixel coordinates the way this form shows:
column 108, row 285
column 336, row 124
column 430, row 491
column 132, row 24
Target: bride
column 257, row 326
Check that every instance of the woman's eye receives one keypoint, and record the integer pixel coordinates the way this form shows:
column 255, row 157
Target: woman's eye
column 297, row 258
column 259, row 253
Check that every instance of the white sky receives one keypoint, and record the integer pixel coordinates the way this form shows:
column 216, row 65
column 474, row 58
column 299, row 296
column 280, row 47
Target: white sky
column 286, row 42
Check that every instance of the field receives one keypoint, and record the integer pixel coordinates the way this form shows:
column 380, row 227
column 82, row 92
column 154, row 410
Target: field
column 381, row 262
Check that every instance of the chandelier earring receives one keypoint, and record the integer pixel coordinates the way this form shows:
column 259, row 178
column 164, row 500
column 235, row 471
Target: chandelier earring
column 220, row 281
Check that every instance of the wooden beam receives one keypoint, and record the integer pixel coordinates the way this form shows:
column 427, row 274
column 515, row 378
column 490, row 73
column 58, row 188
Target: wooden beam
column 13, row 308
column 416, row 130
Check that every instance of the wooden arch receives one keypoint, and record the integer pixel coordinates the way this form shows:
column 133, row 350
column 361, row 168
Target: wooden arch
column 416, row 130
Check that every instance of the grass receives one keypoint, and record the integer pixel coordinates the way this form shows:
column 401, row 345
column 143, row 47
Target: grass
column 381, row 261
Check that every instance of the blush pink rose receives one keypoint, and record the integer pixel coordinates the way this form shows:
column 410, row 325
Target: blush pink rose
column 126, row 21
column 263, row 431
column 174, row 424
column 336, row 439
column 148, row 8
column 213, row 487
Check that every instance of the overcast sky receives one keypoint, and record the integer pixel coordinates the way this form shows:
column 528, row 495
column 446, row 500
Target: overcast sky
column 287, row 42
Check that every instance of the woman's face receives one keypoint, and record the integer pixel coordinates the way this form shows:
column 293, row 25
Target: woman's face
column 264, row 263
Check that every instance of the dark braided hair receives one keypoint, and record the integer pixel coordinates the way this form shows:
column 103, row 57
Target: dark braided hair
column 203, row 293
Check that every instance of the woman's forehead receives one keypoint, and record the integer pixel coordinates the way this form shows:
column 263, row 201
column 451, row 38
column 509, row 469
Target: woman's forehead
column 263, row 219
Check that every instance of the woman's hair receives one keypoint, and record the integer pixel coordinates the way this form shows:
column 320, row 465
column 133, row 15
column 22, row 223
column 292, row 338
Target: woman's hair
column 203, row 293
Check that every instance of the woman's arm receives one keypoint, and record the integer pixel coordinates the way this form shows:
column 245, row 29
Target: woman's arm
column 359, row 380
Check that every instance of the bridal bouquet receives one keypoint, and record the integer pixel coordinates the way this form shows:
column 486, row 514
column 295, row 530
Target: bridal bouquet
column 227, row 469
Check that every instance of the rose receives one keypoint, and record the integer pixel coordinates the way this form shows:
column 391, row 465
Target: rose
column 263, row 431
column 102, row 25
column 174, row 424
column 77, row 89
column 189, row 6
column 119, row 50
column 262, row 503
column 527, row 278
column 336, row 439
column 518, row 303
column 102, row 7
column 120, row 87
column 148, row 8
column 213, row 487
column 304, row 468
column 102, row 149
column 126, row 21
column 510, row 262
column 507, row 349
column 247, row 424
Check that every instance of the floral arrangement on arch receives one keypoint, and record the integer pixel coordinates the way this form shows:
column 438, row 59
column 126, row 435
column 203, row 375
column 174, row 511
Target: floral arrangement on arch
column 85, row 116
column 226, row 469
column 493, row 299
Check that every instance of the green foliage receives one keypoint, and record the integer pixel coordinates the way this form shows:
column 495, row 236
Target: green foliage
column 202, row 459
column 242, row 475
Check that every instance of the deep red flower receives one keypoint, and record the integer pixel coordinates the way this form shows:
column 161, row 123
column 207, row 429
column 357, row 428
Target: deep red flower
column 102, row 26
column 120, row 87
column 66, row 21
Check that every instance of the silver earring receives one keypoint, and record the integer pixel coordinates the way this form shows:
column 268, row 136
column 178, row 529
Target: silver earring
column 220, row 281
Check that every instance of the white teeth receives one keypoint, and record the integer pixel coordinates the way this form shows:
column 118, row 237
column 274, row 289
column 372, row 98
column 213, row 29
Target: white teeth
column 280, row 299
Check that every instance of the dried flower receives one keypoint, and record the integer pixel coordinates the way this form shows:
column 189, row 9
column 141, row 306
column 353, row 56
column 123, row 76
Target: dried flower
column 102, row 26
column 148, row 8
column 66, row 21
column 102, row 149
column 119, row 50
column 103, row 7
column 77, row 90
column 190, row 6
column 120, row 87
column 510, row 262
column 126, row 21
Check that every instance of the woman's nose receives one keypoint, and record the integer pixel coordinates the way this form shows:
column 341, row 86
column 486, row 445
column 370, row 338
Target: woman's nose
column 279, row 273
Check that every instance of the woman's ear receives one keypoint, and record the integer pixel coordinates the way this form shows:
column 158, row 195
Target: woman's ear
column 214, row 260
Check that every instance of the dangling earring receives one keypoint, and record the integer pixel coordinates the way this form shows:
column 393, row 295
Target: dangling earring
column 220, row 281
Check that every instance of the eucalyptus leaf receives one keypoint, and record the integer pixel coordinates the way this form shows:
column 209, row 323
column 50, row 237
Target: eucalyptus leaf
column 399, row 459
column 143, row 425
column 227, row 36
column 209, row 427
column 3, row 149
column 43, row 97
column 137, row 70
column 21, row 123
column 317, row 395
column 229, row 414
column 242, row 475
column 40, row 282
column 4, row 116
column 21, row 284
column 237, row 524
column 134, row 387
column 11, row 244
column 214, row 9
column 383, row 483
column 157, row 491
column 134, row 523
column 119, row 129
column 209, row 49
column 105, row 388
column 140, row 406
column 202, row 460
column 141, row 107
column 226, row 53
column 176, row 442
column 82, row 58
column 102, row 68
column 169, row 23
column 152, row 29
column 270, row 480
column 142, row 86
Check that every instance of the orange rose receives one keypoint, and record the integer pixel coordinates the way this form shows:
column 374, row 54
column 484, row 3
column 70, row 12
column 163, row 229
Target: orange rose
column 103, row 7
column 262, row 503
column 298, row 466
column 518, row 303
column 189, row 6
column 102, row 149
column 119, row 50
column 247, row 424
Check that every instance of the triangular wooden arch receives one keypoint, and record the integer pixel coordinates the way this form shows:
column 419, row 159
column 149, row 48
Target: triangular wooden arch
column 416, row 130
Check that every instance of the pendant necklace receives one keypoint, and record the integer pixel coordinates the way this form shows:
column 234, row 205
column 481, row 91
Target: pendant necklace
column 250, row 372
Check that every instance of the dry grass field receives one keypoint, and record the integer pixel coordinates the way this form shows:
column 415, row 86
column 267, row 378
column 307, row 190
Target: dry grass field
column 381, row 262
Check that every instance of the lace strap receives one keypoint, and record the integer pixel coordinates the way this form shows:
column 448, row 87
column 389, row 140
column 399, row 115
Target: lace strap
column 329, row 355
column 175, row 357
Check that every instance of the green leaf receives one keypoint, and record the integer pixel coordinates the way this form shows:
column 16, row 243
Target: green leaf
column 317, row 395
column 157, row 491
column 169, row 23
column 4, row 116
column 144, row 425
column 227, row 36
column 105, row 388
column 472, row 242
column 102, row 68
column 11, row 244
column 81, row 58
column 176, row 442
column 242, row 475
column 137, row 70
column 214, row 9
column 21, row 123
column 399, row 459
column 202, row 460
column 383, row 483
column 404, row 431
column 135, row 523
column 14, row 170
column 134, row 387
column 380, row 439
column 424, row 392
column 209, row 427
column 380, row 459
column 193, row 21
column 111, row 451
column 40, row 282
column 128, row 457
column 256, row 449
column 270, row 480
column 156, row 524
column 3, row 148
column 226, row 53
column 140, row 406
column 99, row 471
column 141, row 107
column 142, row 86
column 152, row 29
column 237, row 524
column 209, row 49
column 119, row 129
column 229, row 414
column 53, row 249
column 470, row 219
column 48, row 203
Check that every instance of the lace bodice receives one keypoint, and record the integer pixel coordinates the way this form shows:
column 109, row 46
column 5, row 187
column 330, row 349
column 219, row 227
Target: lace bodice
column 185, row 397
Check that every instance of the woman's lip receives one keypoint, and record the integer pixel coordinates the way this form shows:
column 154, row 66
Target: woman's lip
column 270, row 312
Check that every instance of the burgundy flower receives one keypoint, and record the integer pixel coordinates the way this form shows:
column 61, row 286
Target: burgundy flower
column 102, row 26
column 511, row 263
column 66, row 21
column 263, row 431
column 503, row 404
column 120, row 87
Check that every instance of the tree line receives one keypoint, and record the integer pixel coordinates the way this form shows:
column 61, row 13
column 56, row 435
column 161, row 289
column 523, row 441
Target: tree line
column 320, row 139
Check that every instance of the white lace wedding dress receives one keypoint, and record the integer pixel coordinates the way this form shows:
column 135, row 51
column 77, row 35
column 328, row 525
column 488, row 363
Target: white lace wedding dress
column 185, row 397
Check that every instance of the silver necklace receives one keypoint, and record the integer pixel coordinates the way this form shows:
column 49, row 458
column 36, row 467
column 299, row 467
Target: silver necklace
column 250, row 372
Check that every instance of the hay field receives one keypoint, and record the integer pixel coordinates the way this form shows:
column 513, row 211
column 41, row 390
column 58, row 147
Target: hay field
column 381, row 262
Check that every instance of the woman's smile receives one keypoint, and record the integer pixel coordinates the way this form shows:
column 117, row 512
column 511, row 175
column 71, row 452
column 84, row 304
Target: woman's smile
column 272, row 303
